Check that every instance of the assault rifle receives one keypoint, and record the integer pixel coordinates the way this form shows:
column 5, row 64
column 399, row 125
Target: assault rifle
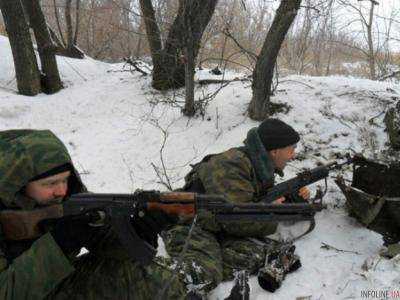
column 119, row 209
column 290, row 188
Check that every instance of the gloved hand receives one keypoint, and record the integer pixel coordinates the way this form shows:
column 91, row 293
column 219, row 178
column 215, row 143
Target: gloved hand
column 278, row 263
column 72, row 233
column 148, row 224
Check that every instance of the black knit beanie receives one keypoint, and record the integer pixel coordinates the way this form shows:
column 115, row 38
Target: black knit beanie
column 275, row 134
column 54, row 171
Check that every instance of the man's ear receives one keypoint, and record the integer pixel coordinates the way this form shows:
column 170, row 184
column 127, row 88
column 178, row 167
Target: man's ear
column 273, row 152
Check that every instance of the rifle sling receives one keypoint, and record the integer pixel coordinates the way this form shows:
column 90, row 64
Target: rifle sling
column 138, row 249
column 272, row 218
column 310, row 228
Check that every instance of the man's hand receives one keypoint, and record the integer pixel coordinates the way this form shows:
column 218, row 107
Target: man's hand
column 304, row 192
column 279, row 200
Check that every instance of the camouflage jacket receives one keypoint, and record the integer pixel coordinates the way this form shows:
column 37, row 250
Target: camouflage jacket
column 34, row 268
column 232, row 174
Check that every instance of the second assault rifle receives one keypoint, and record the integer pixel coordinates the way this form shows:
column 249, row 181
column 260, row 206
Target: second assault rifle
column 119, row 210
column 290, row 188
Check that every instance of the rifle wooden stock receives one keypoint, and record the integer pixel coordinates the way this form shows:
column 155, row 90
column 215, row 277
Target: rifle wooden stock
column 175, row 203
column 186, row 210
column 23, row 224
column 180, row 197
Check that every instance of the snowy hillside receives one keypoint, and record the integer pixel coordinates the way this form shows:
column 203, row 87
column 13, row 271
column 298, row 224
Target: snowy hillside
column 114, row 130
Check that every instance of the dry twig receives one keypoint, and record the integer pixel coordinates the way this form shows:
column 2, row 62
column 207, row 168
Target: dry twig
column 329, row 247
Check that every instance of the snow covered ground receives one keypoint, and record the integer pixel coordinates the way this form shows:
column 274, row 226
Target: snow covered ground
column 115, row 130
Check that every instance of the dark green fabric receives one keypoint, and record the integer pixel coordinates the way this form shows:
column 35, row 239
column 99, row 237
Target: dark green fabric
column 98, row 278
column 260, row 159
column 36, row 272
column 232, row 175
column 202, row 262
column 209, row 258
column 217, row 250
column 391, row 251
column 242, row 254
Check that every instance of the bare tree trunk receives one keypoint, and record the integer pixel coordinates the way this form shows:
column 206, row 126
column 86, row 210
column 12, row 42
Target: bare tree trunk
column 71, row 50
column 168, row 66
column 68, row 21
column 367, row 23
column 303, row 42
column 77, row 21
column 189, row 109
column 51, row 81
column 26, row 68
column 153, row 37
column 228, row 26
column 57, row 16
column 139, row 42
column 67, row 48
column 328, row 63
column 55, row 38
column 61, row 49
column 260, row 106
column 322, row 52
column 126, row 23
column 330, row 50
column 371, row 50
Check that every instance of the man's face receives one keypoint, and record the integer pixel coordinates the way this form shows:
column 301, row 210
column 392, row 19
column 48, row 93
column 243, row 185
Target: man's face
column 49, row 190
column 282, row 155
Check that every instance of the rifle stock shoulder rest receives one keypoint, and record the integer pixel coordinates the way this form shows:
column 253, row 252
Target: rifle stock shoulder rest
column 24, row 224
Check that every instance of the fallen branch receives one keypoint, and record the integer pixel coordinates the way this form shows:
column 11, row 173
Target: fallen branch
column 371, row 121
column 329, row 247
column 201, row 104
column 226, row 60
column 390, row 75
column 8, row 89
column 217, row 81
column 134, row 64
column 291, row 80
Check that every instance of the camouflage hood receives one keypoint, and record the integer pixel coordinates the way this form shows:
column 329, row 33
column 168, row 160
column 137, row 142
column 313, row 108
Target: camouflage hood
column 25, row 154
column 260, row 158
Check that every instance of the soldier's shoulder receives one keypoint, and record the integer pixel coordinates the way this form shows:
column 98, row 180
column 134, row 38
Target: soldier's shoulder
column 233, row 157
column 233, row 154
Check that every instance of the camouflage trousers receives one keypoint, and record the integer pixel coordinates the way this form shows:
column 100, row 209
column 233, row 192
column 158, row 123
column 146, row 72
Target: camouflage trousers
column 100, row 278
column 210, row 259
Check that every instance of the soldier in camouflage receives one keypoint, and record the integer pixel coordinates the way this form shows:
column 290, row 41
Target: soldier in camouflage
column 36, row 170
column 217, row 252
